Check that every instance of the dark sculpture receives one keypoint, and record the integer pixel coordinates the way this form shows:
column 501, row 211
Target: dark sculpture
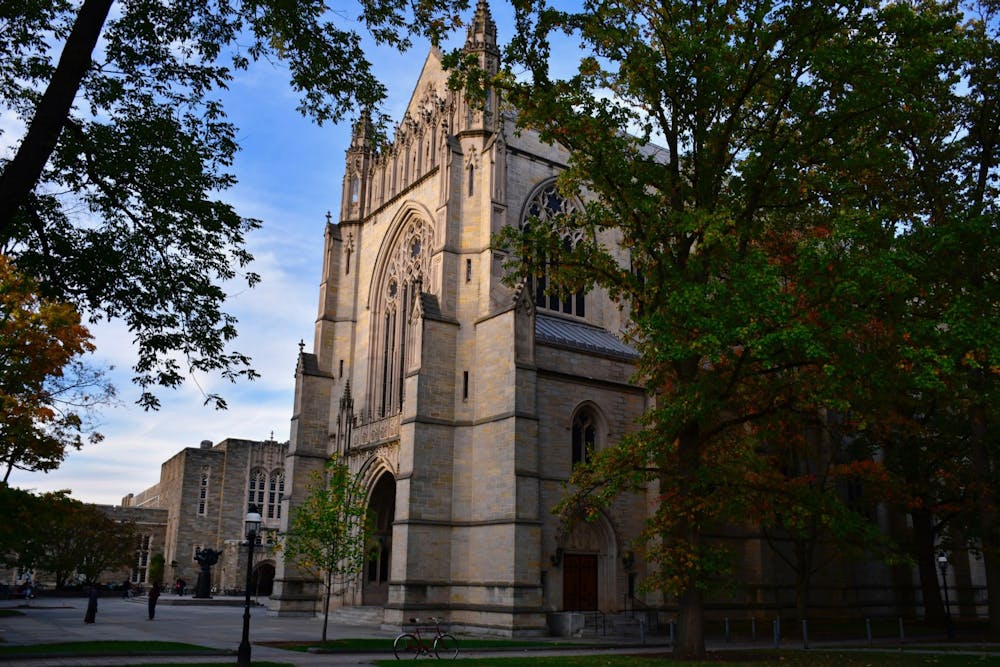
column 206, row 558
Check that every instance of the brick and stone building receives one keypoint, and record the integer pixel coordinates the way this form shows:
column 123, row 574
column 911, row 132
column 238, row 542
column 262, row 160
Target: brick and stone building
column 202, row 500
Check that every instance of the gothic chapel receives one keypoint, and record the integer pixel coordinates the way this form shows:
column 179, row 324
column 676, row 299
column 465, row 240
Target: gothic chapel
column 462, row 403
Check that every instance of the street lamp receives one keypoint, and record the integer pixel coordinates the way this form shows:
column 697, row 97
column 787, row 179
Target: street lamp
column 252, row 526
column 943, row 564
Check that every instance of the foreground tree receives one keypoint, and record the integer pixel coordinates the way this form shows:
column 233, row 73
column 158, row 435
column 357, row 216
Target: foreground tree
column 329, row 531
column 112, row 197
column 759, row 254
column 47, row 394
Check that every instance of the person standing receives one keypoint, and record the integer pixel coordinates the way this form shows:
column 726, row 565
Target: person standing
column 91, row 614
column 154, row 595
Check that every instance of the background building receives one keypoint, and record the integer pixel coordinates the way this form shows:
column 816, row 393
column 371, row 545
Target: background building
column 204, row 493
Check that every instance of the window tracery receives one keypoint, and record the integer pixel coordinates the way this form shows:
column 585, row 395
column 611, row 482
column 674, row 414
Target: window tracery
column 406, row 267
column 543, row 206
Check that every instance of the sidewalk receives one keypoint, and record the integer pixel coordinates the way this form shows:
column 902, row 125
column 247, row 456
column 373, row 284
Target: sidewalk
column 51, row 620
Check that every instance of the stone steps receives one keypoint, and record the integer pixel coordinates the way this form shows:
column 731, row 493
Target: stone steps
column 359, row 616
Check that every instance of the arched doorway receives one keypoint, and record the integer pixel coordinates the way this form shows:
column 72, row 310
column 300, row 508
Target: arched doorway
column 262, row 581
column 589, row 560
column 382, row 510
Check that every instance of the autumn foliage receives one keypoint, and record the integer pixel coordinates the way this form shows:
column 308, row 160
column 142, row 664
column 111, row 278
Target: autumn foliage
column 44, row 391
column 778, row 194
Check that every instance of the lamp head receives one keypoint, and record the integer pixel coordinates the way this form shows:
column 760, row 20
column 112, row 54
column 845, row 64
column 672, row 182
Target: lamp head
column 253, row 520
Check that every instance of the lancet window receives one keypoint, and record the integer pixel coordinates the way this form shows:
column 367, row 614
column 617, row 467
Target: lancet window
column 543, row 206
column 398, row 292
column 584, row 436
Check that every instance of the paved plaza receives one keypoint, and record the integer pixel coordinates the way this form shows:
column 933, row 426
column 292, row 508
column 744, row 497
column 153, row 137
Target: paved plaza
column 50, row 620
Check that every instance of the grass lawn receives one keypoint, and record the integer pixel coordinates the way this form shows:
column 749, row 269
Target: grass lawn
column 10, row 612
column 733, row 659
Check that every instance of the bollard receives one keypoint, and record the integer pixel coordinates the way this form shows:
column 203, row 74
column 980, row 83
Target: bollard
column 729, row 637
column 776, row 631
column 805, row 634
column 902, row 636
column 753, row 629
column 671, row 632
column 642, row 630
column 868, row 630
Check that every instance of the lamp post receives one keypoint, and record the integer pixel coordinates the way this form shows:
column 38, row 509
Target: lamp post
column 943, row 564
column 252, row 526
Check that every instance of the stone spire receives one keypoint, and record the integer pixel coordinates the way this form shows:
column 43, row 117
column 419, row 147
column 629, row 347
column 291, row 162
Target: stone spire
column 363, row 133
column 359, row 158
column 482, row 38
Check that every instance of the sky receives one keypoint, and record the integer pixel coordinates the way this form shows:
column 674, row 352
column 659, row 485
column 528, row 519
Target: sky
column 290, row 174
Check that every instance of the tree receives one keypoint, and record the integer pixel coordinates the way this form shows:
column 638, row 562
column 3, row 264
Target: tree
column 760, row 254
column 23, row 509
column 156, row 567
column 100, row 543
column 62, row 536
column 112, row 198
column 329, row 531
column 47, row 394
column 799, row 500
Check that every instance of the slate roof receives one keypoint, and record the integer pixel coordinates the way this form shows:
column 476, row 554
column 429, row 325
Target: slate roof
column 577, row 335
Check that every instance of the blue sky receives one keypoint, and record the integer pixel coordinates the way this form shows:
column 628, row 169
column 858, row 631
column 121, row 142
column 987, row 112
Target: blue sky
column 289, row 175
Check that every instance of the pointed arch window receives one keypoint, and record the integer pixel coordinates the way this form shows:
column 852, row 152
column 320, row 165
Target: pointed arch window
column 543, row 206
column 584, row 436
column 401, row 284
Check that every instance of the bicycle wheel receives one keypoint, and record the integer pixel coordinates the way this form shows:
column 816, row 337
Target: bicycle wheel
column 406, row 646
column 446, row 646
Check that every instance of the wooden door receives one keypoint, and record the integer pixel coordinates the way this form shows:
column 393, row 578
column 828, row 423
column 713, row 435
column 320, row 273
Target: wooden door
column 579, row 582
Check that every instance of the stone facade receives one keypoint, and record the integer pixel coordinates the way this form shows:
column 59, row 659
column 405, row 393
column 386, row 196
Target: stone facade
column 204, row 493
column 452, row 394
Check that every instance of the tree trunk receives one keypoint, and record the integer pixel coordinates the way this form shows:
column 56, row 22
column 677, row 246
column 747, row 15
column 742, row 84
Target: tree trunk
column 690, row 640
column 803, row 575
column 923, row 541
column 22, row 173
column 326, row 603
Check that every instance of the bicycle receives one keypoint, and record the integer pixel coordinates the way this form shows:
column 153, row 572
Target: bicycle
column 415, row 644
